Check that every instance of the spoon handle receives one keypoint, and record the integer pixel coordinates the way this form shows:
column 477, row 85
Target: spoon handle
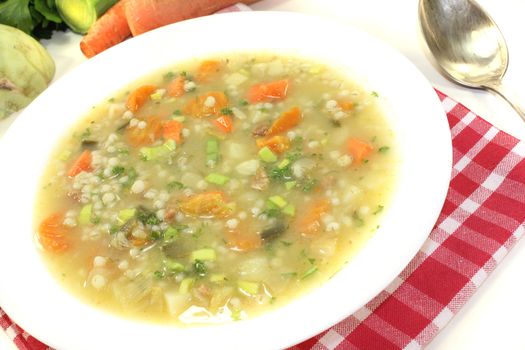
column 508, row 96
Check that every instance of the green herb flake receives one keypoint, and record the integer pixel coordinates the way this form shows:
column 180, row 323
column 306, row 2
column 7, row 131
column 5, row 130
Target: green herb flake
column 378, row 210
column 175, row 185
column 199, row 267
column 243, row 103
column 309, row 184
column 118, row 170
column 168, row 75
column 374, row 93
column 226, row 111
column 309, row 272
column 286, row 243
column 159, row 274
column 383, row 149
column 289, row 274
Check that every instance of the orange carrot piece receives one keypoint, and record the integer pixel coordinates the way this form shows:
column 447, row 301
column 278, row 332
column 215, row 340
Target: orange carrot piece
column 346, row 105
column 278, row 143
column 137, row 137
column 243, row 241
column 207, row 205
column 109, row 30
column 145, row 15
column 358, row 149
column 138, row 97
column 310, row 223
column 52, row 233
column 272, row 91
column 285, row 122
column 176, row 87
column 82, row 163
column 224, row 123
column 207, row 69
column 197, row 107
column 171, row 130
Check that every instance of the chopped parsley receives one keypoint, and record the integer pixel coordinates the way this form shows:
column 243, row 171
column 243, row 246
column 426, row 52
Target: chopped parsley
column 147, row 217
column 118, row 170
column 199, row 267
column 226, row 111
column 175, row 185
column 383, row 149
column 375, row 94
column 378, row 210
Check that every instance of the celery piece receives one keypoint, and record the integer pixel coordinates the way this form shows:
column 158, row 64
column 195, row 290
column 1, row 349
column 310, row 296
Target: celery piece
column 290, row 184
column 216, row 178
column 289, row 210
column 267, row 155
column 246, row 287
column 173, row 266
column 185, row 285
column 212, row 150
column 154, row 153
column 278, row 201
column 125, row 214
column 84, row 217
column 205, row 254
column 309, row 272
column 284, row 163
column 170, row 234
column 179, row 118
column 218, row 278
column 157, row 95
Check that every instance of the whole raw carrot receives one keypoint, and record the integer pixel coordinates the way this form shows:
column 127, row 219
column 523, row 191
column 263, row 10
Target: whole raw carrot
column 145, row 15
column 109, row 30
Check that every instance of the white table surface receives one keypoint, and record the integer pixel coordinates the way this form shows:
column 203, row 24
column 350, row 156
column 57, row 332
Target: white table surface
column 492, row 319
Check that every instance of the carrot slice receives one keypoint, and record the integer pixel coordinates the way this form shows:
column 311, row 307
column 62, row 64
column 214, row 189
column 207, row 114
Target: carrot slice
column 224, row 123
column 138, row 97
column 176, row 87
column 243, row 241
column 277, row 143
column 358, row 149
column 171, row 130
column 200, row 107
column 265, row 92
column 310, row 223
column 52, row 233
column 82, row 163
column 207, row 69
column 206, row 204
column 346, row 105
column 138, row 136
column 109, row 30
column 285, row 122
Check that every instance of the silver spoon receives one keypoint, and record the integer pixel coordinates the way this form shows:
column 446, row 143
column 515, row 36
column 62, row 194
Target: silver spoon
column 467, row 45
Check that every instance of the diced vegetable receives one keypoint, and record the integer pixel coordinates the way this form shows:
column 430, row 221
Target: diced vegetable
column 243, row 240
column 83, row 163
column 207, row 69
column 142, row 136
column 185, row 285
column 170, row 234
column 173, row 266
column 206, row 204
column 289, row 210
column 277, row 143
column 212, row 150
column 206, row 105
column 267, row 155
column 126, row 214
column 310, row 222
column 278, row 201
column 84, row 217
column 358, row 149
column 205, row 254
column 176, row 87
column 250, row 288
column 218, row 179
column 155, row 153
column 171, row 130
column 285, row 122
column 224, row 123
column 268, row 92
column 309, row 272
column 52, row 234
column 248, row 167
column 346, row 105
column 138, row 97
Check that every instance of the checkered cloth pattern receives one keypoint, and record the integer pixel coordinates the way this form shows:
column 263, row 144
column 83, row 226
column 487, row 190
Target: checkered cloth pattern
column 481, row 220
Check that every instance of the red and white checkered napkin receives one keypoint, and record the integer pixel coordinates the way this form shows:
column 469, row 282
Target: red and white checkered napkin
column 481, row 220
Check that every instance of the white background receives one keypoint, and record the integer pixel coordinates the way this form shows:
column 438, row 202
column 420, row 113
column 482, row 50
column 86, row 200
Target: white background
column 493, row 318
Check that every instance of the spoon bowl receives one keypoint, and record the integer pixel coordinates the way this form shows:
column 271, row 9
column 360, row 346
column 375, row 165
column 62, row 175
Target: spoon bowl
column 467, row 44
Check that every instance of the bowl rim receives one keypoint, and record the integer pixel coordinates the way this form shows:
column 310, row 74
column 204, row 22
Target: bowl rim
column 287, row 325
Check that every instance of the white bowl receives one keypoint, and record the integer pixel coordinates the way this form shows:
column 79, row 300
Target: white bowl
column 40, row 305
